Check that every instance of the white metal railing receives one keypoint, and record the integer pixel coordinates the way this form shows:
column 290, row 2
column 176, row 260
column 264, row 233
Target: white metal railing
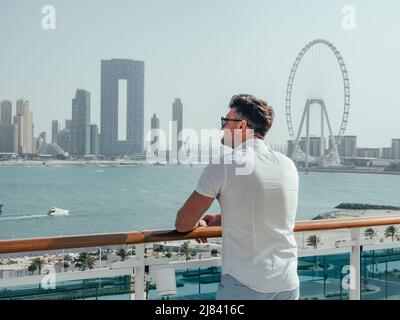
column 136, row 265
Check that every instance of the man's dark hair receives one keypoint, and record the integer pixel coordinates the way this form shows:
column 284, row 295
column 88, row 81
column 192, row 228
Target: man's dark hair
column 256, row 111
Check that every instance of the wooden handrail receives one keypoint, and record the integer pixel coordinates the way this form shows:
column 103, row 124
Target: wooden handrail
column 69, row 242
column 346, row 223
column 137, row 237
column 173, row 235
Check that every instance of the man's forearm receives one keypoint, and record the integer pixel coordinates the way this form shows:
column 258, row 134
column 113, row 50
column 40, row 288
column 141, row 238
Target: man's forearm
column 193, row 209
column 184, row 223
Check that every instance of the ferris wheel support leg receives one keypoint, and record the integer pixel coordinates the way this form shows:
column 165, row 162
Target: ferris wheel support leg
column 306, row 107
column 332, row 138
column 307, row 136
column 322, row 133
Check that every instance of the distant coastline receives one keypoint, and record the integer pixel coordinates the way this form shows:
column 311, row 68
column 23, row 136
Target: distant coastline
column 70, row 162
column 357, row 213
column 350, row 170
column 142, row 162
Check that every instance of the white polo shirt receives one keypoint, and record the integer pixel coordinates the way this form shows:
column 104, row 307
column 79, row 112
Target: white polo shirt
column 258, row 210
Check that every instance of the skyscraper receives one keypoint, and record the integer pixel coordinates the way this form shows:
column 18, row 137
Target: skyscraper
column 24, row 122
column 80, row 131
column 6, row 112
column 111, row 72
column 55, row 128
column 177, row 115
column 94, row 139
column 8, row 131
column 8, row 138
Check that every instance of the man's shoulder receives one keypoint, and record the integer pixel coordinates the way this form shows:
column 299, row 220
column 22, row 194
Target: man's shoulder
column 283, row 159
column 282, row 156
column 214, row 167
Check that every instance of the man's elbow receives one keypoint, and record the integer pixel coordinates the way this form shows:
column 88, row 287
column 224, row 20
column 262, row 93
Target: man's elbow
column 181, row 228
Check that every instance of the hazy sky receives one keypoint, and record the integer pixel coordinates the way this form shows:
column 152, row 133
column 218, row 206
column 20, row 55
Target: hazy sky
column 202, row 51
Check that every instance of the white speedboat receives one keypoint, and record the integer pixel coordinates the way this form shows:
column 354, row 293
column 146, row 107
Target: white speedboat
column 57, row 212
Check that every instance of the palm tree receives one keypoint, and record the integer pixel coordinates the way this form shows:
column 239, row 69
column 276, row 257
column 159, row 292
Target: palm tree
column 370, row 233
column 214, row 252
column 313, row 241
column 66, row 265
column 185, row 249
column 32, row 268
column 39, row 263
column 391, row 232
column 84, row 261
column 123, row 253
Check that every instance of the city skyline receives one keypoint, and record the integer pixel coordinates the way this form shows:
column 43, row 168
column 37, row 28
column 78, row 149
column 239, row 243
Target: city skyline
column 348, row 146
column 209, row 65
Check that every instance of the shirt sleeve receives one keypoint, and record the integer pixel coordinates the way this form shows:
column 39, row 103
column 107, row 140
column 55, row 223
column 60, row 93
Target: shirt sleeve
column 211, row 181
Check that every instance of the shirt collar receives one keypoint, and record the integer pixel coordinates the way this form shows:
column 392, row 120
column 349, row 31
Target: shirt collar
column 251, row 142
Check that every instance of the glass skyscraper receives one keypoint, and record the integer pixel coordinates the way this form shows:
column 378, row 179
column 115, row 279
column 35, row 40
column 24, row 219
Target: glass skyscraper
column 177, row 117
column 80, row 130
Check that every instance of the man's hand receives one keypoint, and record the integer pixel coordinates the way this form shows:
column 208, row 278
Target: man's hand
column 210, row 220
column 202, row 224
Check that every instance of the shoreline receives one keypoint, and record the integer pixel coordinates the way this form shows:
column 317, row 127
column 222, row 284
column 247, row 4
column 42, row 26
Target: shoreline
column 49, row 163
column 343, row 170
column 355, row 213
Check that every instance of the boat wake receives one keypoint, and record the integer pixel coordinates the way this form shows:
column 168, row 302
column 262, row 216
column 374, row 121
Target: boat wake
column 54, row 212
column 23, row 217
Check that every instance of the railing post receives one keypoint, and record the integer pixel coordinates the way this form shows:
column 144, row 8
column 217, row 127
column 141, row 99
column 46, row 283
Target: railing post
column 139, row 272
column 355, row 263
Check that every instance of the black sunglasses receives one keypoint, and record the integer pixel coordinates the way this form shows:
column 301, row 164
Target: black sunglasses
column 225, row 120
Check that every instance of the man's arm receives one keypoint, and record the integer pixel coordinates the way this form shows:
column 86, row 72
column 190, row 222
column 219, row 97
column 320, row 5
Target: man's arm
column 189, row 215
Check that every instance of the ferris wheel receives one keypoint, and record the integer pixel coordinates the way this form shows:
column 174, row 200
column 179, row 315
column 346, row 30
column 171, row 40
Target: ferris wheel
column 318, row 77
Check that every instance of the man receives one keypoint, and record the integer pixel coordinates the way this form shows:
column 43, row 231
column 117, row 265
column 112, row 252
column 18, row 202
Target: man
column 259, row 258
